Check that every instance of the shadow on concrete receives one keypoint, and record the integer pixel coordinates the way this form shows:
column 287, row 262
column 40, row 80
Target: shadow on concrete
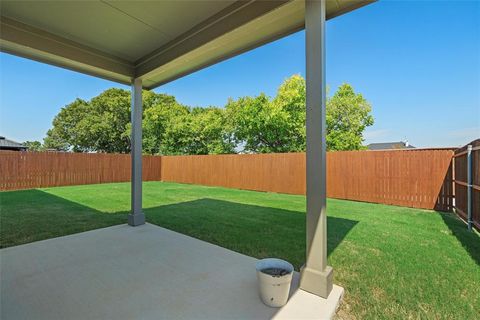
column 469, row 240
column 253, row 230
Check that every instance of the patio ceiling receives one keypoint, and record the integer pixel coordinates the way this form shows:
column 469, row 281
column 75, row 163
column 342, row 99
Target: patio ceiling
column 156, row 41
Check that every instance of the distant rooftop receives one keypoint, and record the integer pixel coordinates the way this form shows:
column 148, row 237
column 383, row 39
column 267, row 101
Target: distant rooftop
column 390, row 145
column 6, row 144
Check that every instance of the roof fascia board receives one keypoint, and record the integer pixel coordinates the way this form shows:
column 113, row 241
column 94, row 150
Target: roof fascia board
column 355, row 5
column 228, row 19
column 281, row 15
column 26, row 41
column 221, row 58
column 180, row 47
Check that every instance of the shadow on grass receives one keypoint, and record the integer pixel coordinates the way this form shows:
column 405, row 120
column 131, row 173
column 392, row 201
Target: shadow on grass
column 469, row 240
column 33, row 215
column 258, row 231
column 249, row 229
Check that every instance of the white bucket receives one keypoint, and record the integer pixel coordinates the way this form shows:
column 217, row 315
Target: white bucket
column 274, row 289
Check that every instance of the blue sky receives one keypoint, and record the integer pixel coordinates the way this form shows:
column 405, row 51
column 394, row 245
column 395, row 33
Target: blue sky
column 417, row 62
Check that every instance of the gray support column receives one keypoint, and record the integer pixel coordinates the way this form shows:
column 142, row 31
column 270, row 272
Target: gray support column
column 136, row 216
column 316, row 276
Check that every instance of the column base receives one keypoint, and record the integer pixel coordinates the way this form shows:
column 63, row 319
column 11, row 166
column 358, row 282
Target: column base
column 319, row 283
column 136, row 219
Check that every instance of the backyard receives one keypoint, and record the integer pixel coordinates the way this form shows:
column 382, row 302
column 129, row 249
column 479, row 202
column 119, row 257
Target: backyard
column 394, row 262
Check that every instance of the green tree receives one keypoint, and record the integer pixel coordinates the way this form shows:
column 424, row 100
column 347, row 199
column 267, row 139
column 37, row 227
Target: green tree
column 103, row 123
column 348, row 115
column 163, row 111
column 65, row 133
column 54, row 141
column 33, row 145
column 105, row 126
column 265, row 125
column 257, row 124
column 200, row 131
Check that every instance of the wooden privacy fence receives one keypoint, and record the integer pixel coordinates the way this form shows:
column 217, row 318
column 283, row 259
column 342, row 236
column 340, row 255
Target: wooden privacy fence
column 416, row 178
column 274, row 172
column 463, row 183
column 26, row 170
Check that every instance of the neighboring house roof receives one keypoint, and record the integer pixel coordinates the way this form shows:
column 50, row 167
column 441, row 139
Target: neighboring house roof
column 6, row 144
column 389, row 145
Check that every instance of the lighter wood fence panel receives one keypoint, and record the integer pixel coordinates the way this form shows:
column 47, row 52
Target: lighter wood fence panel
column 280, row 172
column 26, row 170
column 420, row 178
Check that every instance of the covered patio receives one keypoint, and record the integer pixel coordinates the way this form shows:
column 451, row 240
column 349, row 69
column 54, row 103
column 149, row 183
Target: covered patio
column 140, row 270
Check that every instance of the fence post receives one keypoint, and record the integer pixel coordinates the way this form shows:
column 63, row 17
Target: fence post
column 469, row 186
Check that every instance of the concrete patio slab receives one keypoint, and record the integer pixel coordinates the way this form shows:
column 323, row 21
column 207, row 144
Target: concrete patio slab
column 304, row 305
column 144, row 272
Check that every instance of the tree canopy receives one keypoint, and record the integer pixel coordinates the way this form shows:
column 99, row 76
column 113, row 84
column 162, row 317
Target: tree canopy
column 33, row 145
column 265, row 125
column 257, row 124
column 278, row 124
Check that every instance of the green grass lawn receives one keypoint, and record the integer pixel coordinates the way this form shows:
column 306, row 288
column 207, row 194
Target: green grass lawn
column 394, row 262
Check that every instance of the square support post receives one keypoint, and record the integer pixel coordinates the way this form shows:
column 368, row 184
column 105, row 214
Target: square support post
column 316, row 276
column 136, row 216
